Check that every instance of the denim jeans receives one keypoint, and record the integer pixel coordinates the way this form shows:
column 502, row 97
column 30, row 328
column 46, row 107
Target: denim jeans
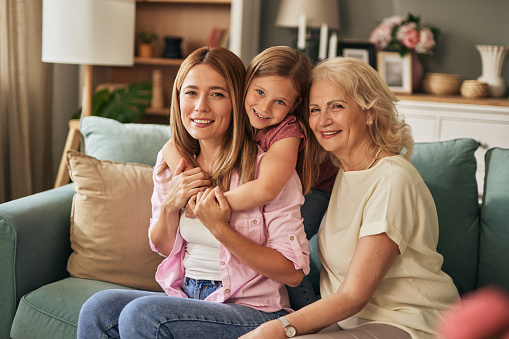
column 313, row 210
column 199, row 289
column 130, row 314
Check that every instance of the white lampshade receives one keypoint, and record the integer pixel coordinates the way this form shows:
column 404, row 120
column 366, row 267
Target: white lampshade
column 89, row 32
column 317, row 12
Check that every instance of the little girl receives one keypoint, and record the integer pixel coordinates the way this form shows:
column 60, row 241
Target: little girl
column 275, row 100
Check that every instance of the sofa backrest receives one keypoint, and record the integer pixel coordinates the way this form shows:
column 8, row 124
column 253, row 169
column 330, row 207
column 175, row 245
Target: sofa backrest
column 108, row 139
column 494, row 238
column 448, row 169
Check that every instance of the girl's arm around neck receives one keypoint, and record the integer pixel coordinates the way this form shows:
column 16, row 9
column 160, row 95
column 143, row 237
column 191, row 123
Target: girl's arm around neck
column 276, row 168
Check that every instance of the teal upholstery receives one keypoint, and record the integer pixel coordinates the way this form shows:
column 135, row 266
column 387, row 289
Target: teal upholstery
column 35, row 246
column 448, row 169
column 52, row 311
column 108, row 139
column 494, row 243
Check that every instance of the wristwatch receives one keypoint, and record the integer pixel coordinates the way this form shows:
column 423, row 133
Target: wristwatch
column 290, row 331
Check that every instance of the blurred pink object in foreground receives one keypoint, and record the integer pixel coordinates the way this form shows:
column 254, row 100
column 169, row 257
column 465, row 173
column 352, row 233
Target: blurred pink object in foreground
column 480, row 314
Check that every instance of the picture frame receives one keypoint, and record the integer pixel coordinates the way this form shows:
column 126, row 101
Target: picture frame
column 396, row 70
column 358, row 49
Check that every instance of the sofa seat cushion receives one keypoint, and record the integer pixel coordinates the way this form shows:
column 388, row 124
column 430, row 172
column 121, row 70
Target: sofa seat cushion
column 448, row 169
column 493, row 258
column 52, row 311
column 108, row 139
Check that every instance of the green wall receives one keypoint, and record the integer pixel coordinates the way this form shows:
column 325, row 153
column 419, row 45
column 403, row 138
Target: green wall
column 463, row 24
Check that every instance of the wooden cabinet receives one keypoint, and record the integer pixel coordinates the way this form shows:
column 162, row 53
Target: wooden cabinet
column 434, row 118
column 192, row 20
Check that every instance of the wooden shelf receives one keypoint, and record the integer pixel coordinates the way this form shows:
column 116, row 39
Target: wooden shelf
column 158, row 111
column 454, row 99
column 158, row 61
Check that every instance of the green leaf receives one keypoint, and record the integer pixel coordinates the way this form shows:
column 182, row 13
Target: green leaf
column 128, row 104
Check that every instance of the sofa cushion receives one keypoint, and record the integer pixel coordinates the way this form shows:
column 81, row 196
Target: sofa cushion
column 108, row 139
column 448, row 169
column 109, row 222
column 52, row 311
column 493, row 258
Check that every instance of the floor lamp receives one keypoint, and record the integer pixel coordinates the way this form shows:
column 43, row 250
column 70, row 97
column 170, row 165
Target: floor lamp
column 86, row 32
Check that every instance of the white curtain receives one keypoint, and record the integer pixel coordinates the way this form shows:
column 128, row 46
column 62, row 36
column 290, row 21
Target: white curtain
column 25, row 102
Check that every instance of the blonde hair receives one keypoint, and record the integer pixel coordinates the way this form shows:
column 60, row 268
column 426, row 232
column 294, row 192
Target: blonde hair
column 289, row 63
column 238, row 151
column 365, row 85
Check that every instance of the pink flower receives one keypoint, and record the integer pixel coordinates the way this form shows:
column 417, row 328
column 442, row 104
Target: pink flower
column 426, row 41
column 392, row 21
column 381, row 36
column 408, row 35
column 481, row 314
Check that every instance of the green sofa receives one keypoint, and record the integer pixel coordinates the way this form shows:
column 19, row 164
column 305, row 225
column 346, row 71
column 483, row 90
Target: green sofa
column 40, row 300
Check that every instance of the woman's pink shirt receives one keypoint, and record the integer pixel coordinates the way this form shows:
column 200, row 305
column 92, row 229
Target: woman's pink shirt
column 277, row 225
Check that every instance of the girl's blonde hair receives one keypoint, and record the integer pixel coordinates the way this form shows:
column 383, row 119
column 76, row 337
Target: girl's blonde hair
column 289, row 63
column 365, row 85
column 238, row 151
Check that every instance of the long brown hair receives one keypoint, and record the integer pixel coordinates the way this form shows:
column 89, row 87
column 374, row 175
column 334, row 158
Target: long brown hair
column 238, row 151
column 289, row 63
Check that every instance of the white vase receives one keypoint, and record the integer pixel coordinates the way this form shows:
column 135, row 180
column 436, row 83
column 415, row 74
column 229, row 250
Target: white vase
column 493, row 58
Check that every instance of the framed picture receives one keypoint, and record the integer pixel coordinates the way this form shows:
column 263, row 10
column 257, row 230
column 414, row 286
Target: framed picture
column 396, row 71
column 358, row 49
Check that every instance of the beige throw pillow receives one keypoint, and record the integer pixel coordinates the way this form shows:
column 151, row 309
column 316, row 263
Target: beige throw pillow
column 110, row 217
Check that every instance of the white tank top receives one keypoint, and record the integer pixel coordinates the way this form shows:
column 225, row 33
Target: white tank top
column 201, row 259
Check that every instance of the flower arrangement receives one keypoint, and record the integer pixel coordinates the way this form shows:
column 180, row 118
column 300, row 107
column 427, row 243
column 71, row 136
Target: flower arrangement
column 404, row 35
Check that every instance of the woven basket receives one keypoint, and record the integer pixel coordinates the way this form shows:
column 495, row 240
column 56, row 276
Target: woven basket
column 474, row 89
column 440, row 83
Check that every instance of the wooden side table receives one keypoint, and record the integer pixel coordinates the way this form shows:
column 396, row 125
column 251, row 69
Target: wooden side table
column 72, row 142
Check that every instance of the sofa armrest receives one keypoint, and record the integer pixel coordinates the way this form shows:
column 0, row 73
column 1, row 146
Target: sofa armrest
column 34, row 246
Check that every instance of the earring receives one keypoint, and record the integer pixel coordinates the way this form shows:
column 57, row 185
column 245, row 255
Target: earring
column 371, row 122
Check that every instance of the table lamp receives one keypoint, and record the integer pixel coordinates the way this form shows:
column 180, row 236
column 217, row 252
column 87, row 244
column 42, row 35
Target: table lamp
column 322, row 14
column 87, row 32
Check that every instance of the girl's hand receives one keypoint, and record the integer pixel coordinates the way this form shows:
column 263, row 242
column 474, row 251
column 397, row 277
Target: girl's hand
column 183, row 185
column 270, row 330
column 211, row 207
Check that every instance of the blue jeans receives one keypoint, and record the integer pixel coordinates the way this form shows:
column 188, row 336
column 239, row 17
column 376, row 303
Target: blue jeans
column 313, row 210
column 141, row 314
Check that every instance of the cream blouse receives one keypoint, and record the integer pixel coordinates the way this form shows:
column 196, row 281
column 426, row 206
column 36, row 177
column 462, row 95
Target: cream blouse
column 389, row 198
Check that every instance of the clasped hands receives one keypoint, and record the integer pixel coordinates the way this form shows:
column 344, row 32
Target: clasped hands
column 191, row 190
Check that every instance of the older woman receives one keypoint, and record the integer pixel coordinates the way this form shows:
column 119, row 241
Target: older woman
column 224, row 272
column 381, row 274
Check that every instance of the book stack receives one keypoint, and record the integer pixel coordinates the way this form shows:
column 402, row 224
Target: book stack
column 218, row 37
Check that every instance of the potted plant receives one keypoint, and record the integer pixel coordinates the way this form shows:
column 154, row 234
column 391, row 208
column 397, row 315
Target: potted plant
column 145, row 47
column 125, row 103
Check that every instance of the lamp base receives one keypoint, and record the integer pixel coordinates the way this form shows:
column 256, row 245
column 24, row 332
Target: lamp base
column 311, row 49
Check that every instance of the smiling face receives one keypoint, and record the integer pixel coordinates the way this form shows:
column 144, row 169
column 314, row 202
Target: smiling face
column 337, row 121
column 269, row 99
column 205, row 104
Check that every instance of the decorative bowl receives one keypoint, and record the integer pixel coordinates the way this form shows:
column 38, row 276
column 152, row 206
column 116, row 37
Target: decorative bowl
column 441, row 83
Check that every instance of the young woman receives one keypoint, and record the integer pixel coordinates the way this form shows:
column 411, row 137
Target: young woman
column 224, row 272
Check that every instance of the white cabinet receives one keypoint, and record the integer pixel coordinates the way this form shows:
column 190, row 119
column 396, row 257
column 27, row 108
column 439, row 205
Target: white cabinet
column 438, row 121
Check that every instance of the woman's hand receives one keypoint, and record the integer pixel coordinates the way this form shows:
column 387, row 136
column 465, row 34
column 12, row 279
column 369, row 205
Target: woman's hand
column 212, row 208
column 183, row 185
column 270, row 330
